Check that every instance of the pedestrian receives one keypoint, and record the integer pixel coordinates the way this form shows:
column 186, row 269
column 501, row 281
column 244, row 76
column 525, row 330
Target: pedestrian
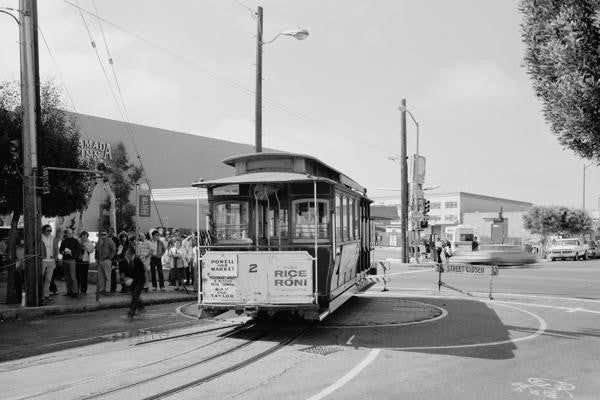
column 475, row 244
column 446, row 252
column 57, row 264
column 105, row 251
column 144, row 252
column 438, row 249
column 177, row 264
column 124, row 244
column 157, row 250
column 135, row 273
column 114, row 262
column 83, row 264
column 20, row 267
column 49, row 257
column 70, row 250
column 187, row 247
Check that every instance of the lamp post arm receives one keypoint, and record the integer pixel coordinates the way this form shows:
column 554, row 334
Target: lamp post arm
column 12, row 15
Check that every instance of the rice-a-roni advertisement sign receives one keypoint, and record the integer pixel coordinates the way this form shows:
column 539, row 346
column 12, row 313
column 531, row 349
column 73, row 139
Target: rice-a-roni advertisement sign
column 95, row 150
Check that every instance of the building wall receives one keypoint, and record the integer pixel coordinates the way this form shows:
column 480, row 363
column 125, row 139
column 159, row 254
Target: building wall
column 483, row 222
column 170, row 159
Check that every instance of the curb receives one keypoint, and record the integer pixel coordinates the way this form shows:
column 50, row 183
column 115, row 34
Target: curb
column 37, row 312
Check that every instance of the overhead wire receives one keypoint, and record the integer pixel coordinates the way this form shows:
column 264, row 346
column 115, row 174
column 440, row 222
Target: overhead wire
column 62, row 79
column 236, row 85
column 126, row 114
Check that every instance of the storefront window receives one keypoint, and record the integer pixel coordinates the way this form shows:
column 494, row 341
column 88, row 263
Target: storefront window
column 304, row 219
column 231, row 221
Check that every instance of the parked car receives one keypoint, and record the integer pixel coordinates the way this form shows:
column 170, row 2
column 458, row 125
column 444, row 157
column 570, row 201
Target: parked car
column 593, row 251
column 568, row 248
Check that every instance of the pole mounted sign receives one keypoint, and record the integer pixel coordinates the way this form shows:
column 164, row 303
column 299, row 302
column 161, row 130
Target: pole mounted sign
column 144, row 205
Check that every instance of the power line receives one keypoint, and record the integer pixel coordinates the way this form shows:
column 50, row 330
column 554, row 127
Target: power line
column 128, row 124
column 235, row 85
column 62, row 79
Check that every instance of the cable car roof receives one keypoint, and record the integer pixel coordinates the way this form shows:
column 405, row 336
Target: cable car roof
column 262, row 177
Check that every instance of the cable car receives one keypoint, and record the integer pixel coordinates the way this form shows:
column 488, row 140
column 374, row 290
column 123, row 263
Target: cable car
column 288, row 234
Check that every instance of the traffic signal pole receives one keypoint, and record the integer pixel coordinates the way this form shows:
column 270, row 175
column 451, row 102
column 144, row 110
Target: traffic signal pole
column 31, row 110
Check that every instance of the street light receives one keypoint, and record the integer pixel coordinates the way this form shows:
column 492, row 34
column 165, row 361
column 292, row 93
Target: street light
column 299, row 34
column 403, row 108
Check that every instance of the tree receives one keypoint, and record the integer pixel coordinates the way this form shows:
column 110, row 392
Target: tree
column 122, row 176
column 562, row 57
column 58, row 147
column 555, row 220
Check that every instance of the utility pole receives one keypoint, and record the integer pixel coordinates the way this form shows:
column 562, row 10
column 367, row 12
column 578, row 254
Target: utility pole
column 404, row 184
column 31, row 121
column 258, row 101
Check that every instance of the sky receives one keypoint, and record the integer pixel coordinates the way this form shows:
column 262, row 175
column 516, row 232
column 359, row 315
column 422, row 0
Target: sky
column 189, row 66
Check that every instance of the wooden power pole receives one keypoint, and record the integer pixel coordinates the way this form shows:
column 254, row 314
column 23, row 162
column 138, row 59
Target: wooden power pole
column 30, row 101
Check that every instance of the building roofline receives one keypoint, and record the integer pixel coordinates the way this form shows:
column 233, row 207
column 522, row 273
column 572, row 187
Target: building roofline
column 459, row 194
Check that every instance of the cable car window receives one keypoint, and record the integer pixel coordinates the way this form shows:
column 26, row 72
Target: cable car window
column 278, row 222
column 338, row 217
column 303, row 223
column 231, row 221
column 351, row 218
column 356, row 220
column 345, row 217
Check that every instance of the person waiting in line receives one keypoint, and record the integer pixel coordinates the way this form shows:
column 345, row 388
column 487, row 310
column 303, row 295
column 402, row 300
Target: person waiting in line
column 20, row 268
column 70, row 250
column 115, row 262
column 83, row 263
column 105, row 251
column 124, row 244
column 144, row 252
column 135, row 276
column 157, row 250
column 187, row 247
column 49, row 257
column 177, row 264
column 58, row 270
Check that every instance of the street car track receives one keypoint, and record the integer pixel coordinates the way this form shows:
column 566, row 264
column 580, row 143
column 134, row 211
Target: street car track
column 224, row 371
column 254, row 339
column 137, row 367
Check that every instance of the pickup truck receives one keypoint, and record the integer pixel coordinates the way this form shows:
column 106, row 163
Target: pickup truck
column 568, row 248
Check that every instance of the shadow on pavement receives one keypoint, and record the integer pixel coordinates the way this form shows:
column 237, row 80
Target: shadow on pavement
column 369, row 322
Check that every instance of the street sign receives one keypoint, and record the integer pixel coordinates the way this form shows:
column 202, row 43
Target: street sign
column 144, row 205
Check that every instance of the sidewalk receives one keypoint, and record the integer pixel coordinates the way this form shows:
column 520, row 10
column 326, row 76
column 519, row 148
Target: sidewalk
column 84, row 303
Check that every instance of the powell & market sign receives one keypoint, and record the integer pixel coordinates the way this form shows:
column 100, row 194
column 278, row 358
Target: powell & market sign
column 95, row 150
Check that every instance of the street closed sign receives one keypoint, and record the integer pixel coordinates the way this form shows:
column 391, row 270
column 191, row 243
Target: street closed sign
column 472, row 269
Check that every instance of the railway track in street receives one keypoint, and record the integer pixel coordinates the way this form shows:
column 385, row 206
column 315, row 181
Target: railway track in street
column 165, row 376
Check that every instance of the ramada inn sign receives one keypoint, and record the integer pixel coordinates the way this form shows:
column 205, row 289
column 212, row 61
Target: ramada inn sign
column 94, row 150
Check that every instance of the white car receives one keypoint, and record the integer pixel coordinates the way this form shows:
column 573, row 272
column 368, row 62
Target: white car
column 568, row 248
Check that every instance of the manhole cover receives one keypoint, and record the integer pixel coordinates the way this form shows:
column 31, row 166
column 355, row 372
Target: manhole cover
column 322, row 350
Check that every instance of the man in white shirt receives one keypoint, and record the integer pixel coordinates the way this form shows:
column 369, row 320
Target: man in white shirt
column 49, row 256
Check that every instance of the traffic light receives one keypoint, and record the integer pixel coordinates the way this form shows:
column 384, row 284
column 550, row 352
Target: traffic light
column 14, row 149
column 45, row 181
column 427, row 206
column 424, row 224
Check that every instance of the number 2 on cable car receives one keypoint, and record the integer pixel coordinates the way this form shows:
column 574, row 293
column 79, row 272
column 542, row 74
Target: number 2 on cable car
column 253, row 268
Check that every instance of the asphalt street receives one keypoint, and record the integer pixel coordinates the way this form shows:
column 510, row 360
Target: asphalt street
column 539, row 338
